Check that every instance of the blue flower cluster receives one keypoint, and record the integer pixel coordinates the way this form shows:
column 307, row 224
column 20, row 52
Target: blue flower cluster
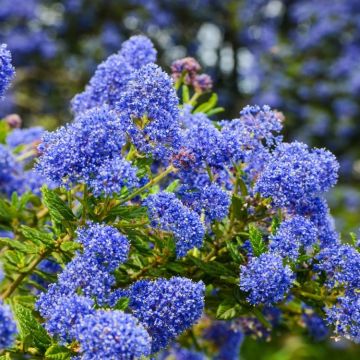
column 293, row 235
column 202, row 139
column 166, row 307
column 341, row 264
column 295, row 173
column 149, row 113
column 24, row 136
column 345, row 317
column 90, row 272
column 7, row 71
column 226, row 339
column 315, row 325
column 168, row 213
column 178, row 353
column 211, row 200
column 8, row 328
column 252, row 135
column 266, row 279
column 87, row 151
column 111, row 77
column 65, row 315
column 112, row 335
column 10, row 172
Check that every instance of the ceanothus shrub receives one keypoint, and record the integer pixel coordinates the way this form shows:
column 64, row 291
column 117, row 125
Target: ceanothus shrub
column 144, row 220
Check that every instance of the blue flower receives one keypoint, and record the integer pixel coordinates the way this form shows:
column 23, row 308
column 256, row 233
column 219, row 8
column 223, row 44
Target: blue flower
column 90, row 272
column 295, row 173
column 255, row 131
column 66, row 313
column 138, row 51
column 266, row 279
column 7, row 71
column 227, row 340
column 341, row 265
column 202, row 140
column 149, row 112
column 178, row 353
column 112, row 176
column 112, row 335
column 316, row 326
column 111, row 76
column 74, row 154
column 168, row 213
column 345, row 317
column 8, row 328
column 104, row 243
column 24, row 136
column 292, row 235
column 166, row 307
column 11, row 172
column 211, row 200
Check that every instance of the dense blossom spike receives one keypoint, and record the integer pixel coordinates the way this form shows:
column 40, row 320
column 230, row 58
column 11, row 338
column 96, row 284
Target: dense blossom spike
column 295, row 173
column 245, row 137
column 25, row 136
column 345, row 317
column 168, row 213
column 203, row 140
column 211, row 200
column 111, row 76
column 7, row 71
column 166, row 307
column 8, row 328
column 138, row 51
column 266, row 279
column 227, row 340
column 112, row 335
column 149, row 112
column 104, row 243
column 315, row 325
column 66, row 314
column 292, row 235
column 75, row 153
column 112, row 176
column 10, row 172
column 341, row 264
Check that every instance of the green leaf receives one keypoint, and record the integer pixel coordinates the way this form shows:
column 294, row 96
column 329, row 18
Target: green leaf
column 4, row 130
column 122, row 304
column 172, row 187
column 214, row 111
column 275, row 224
column 30, row 329
column 185, row 94
column 14, row 257
column 353, row 239
column 128, row 212
column 6, row 211
column 213, row 268
column 208, row 105
column 37, row 236
column 257, row 243
column 228, row 309
column 70, row 246
column 18, row 245
column 58, row 209
column 58, row 352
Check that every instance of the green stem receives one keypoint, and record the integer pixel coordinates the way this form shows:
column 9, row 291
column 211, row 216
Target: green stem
column 26, row 155
column 194, row 98
column 315, row 296
column 151, row 183
column 22, row 276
